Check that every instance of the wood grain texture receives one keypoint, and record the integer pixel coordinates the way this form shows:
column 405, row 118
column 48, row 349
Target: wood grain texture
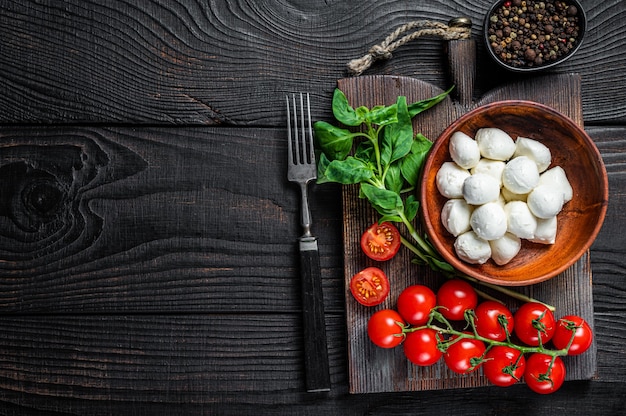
column 151, row 267
column 153, row 220
column 217, row 62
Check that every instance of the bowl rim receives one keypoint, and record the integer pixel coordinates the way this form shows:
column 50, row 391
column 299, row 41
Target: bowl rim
column 470, row 269
column 490, row 51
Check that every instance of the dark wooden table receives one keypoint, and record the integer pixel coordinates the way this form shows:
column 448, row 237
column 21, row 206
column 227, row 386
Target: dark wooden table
column 147, row 230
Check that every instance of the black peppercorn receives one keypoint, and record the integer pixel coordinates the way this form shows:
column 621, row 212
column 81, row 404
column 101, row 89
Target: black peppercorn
column 531, row 33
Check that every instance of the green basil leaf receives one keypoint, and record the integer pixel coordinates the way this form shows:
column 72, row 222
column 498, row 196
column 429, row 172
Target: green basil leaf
column 390, row 218
column 412, row 163
column 348, row 171
column 411, row 206
column 394, row 181
column 342, row 110
column 335, row 142
column 419, row 106
column 383, row 115
column 397, row 137
column 365, row 151
column 322, row 166
column 383, row 200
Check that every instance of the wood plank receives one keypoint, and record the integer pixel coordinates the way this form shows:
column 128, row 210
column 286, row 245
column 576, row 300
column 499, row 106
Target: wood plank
column 377, row 370
column 154, row 220
column 188, row 62
column 232, row 364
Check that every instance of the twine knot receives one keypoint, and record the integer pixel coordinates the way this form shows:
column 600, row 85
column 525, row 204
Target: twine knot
column 379, row 52
column 459, row 28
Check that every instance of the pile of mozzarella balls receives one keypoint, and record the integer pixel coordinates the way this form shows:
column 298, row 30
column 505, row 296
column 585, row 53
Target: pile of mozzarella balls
column 499, row 192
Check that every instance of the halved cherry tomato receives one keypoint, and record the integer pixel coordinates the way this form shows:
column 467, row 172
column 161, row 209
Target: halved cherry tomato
column 384, row 328
column 573, row 326
column 381, row 242
column 370, row 286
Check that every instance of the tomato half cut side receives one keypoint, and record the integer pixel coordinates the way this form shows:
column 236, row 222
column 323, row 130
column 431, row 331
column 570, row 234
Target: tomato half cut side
column 381, row 242
column 370, row 286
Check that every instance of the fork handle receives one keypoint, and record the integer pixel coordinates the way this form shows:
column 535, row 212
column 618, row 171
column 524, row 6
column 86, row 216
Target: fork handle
column 317, row 370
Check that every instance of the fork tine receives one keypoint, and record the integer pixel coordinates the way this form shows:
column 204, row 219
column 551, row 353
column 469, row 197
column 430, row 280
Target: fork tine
column 309, row 143
column 300, row 144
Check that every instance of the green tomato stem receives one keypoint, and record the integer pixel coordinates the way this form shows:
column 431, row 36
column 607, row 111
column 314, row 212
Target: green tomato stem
column 490, row 343
column 429, row 252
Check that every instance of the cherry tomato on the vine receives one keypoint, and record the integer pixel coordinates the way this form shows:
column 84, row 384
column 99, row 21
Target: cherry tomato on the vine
column 543, row 377
column 384, row 328
column 421, row 347
column 370, row 286
column 572, row 325
column 455, row 297
column 532, row 321
column 493, row 320
column 381, row 242
column 464, row 356
column 504, row 366
column 415, row 303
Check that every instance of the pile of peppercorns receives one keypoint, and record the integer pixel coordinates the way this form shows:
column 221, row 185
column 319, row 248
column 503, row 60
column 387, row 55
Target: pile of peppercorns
column 533, row 33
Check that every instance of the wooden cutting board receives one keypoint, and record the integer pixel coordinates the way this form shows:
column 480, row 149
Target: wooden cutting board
column 373, row 369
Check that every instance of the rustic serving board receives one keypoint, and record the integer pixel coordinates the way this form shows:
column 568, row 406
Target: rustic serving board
column 373, row 369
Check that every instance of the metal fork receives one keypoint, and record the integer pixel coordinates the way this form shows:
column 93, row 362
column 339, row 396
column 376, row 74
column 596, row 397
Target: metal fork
column 301, row 169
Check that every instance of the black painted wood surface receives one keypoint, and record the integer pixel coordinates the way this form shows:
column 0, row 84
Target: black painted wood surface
column 148, row 265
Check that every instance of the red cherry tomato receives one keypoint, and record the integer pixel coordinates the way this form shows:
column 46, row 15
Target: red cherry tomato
column 532, row 321
column 504, row 366
column 415, row 303
column 456, row 296
column 384, row 328
column 493, row 320
column 370, row 286
column 464, row 356
column 571, row 325
column 421, row 347
column 540, row 377
column 381, row 242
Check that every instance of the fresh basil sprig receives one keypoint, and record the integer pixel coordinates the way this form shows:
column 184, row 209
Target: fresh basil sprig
column 385, row 163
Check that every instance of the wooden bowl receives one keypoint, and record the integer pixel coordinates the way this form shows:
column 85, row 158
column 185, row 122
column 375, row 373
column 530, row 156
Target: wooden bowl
column 578, row 223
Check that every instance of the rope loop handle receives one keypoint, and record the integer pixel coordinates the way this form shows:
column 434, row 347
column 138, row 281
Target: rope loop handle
column 459, row 28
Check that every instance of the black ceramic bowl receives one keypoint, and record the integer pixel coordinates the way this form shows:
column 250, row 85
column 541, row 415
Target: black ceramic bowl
column 532, row 35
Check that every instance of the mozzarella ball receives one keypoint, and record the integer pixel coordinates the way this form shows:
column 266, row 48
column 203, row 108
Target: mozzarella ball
column 488, row 221
column 510, row 196
column 495, row 144
column 455, row 216
column 534, row 150
column 480, row 188
column 520, row 221
column 490, row 167
column 472, row 249
column 520, row 175
column 546, row 231
column 504, row 249
column 450, row 178
column 464, row 150
column 557, row 178
column 545, row 202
